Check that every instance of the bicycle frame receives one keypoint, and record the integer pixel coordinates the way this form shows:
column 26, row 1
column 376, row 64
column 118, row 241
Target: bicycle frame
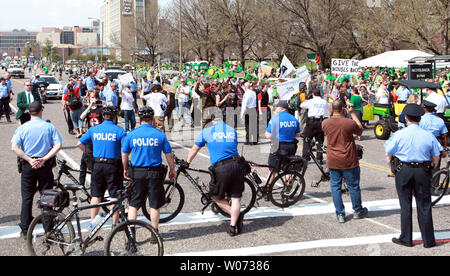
column 118, row 205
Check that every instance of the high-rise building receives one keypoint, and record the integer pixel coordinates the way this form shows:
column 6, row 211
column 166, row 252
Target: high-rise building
column 120, row 19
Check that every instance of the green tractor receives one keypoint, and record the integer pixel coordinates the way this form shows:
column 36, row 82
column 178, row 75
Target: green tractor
column 388, row 120
column 389, row 113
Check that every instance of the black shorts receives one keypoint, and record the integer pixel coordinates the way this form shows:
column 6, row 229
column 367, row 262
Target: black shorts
column 106, row 177
column 148, row 183
column 274, row 160
column 229, row 181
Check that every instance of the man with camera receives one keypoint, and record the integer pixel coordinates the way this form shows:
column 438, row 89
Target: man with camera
column 343, row 160
column 36, row 144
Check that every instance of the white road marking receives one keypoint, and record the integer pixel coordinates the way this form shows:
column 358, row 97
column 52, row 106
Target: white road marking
column 8, row 232
column 289, row 247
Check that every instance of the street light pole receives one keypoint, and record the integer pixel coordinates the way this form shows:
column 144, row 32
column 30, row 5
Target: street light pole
column 180, row 26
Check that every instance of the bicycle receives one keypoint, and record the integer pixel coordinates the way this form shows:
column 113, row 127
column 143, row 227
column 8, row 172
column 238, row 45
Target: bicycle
column 440, row 183
column 58, row 236
column 175, row 196
column 65, row 170
column 287, row 188
column 325, row 174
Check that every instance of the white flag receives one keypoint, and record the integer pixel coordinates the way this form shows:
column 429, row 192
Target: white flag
column 286, row 68
column 286, row 90
column 303, row 73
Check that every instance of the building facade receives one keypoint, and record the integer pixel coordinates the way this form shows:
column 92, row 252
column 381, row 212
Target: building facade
column 120, row 18
column 13, row 43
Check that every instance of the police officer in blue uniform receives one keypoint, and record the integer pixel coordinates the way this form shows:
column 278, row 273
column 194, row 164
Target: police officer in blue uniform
column 145, row 145
column 36, row 143
column 434, row 124
column 283, row 130
column 222, row 142
column 146, row 85
column 106, row 139
column 418, row 152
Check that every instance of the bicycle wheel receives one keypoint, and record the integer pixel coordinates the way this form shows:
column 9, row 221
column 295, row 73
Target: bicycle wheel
column 173, row 206
column 247, row 201
column 439, row 186
column 54, row 242
column 146, row 240
column 286, row 189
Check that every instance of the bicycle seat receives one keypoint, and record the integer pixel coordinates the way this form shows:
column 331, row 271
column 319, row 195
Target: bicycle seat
column 72, row 187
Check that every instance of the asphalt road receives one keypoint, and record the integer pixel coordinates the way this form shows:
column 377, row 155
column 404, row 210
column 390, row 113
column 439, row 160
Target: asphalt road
column 309, row 228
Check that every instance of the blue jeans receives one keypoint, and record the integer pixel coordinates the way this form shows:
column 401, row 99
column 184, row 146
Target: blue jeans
column 352, row 178
column 129, row 119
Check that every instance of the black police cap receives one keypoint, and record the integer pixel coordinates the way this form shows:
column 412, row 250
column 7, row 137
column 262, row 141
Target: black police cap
column 414, row 110
column 429, row 104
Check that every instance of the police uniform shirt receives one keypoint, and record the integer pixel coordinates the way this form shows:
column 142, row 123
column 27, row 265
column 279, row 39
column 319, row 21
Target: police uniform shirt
column 403, row 94
column 90, row 83
column 145, row 145
column 285, row 126
column 106, row 139
column 433, row 124
column 222, row 142
column 8, row 83
column 109, row 96
column 413, row 144
column 4, row 92
column 317, row 107
column 133, row 86
column 36, row 138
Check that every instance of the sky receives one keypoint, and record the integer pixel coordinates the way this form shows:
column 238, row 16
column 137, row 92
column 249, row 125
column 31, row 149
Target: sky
column 32, row 15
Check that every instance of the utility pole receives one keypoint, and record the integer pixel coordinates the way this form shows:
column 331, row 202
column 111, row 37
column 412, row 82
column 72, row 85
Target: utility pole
column 181, row 39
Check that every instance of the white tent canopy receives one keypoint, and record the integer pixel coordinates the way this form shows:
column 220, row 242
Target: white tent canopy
column 395, row 59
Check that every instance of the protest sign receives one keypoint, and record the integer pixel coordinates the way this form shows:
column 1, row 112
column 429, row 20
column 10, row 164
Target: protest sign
column 127, row 78
column 267, row 70
column 303, row 73
column 345, row 66
column 287, row 89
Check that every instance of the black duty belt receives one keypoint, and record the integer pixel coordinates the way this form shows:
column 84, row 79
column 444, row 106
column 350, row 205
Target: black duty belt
column 316, row 119
column 226, row 161
column 147, row 169
column 107, row 161
column 416, row 165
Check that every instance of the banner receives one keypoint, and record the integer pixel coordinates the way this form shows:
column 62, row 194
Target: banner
column 286, row 90
column 344, row 66
column 286, row 68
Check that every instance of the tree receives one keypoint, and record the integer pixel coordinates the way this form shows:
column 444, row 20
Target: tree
column 50, row 51
column 316, row 24
column 240, row 15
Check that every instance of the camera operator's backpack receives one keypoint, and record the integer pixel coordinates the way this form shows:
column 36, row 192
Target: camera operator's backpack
column 75, row 103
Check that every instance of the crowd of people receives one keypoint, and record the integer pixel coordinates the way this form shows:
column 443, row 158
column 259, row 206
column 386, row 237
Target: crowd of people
column 325, row 105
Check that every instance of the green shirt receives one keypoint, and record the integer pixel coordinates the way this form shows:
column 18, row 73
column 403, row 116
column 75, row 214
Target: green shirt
column 356, row 101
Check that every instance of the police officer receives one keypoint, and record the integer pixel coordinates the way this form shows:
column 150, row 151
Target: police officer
column 106, row 139
column 403, row 94
column 434, row 124
column 222, row 142
column 145, row 145
column 145, row 86
column 36, row 144
column 418, row 152
column 317, row 112
column 283, row 130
